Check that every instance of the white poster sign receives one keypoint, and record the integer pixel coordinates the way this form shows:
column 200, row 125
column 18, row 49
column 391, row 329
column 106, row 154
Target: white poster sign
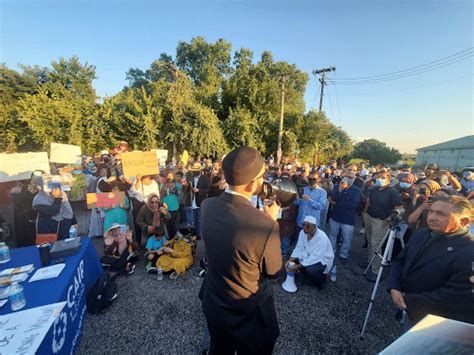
column 65, row 154
column 19, row 166
column 161, row 156
column 22, row 332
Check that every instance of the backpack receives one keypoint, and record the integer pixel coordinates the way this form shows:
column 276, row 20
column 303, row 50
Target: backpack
column 102, row 294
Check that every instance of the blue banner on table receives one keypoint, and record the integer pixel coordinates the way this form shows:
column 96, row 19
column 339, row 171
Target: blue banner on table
column 72, row 285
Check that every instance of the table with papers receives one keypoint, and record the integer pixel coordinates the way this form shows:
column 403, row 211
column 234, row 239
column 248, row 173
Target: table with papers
column 75, row 277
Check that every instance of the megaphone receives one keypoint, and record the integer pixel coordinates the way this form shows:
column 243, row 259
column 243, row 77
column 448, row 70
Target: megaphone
column 283, row 190
column 289, row 284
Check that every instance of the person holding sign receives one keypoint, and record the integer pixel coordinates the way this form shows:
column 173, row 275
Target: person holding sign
column 116, row 214
column 55, row 215
column 143, row 187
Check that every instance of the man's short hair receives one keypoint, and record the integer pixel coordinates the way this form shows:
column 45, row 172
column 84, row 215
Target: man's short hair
column 461, row 205
column 179, row 173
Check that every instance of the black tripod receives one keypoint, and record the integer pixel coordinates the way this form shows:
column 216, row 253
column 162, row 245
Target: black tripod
column 396, row 231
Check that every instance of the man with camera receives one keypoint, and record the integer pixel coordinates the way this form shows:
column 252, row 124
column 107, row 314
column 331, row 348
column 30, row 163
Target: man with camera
column 243, row 249
column 432, row 273
column 382, row 200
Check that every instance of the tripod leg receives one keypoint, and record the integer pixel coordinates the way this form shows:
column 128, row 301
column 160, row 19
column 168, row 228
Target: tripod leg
column 377, row 252
column 387, row 251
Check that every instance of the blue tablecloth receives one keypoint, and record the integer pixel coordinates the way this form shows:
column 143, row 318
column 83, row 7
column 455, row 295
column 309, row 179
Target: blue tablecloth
column 72, row 285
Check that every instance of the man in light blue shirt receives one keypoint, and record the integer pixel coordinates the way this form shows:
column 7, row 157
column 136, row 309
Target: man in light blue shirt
column 312, row 202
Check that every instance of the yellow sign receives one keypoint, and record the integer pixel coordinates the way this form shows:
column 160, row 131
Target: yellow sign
column 185, row 157
column 139, row 163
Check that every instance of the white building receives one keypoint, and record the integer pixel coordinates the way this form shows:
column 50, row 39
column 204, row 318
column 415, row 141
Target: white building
column 451, row 155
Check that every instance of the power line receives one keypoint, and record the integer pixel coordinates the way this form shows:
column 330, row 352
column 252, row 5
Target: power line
column 453, row 57
column 406, row 89
column 407, row 74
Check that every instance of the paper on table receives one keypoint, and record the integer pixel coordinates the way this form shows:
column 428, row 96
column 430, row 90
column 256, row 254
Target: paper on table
column 17, row 270
column 49, row 272
column 23, row 331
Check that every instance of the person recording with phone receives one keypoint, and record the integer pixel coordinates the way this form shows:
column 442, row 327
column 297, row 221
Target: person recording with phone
column 55, row 215
column 243, row 250
column 422, row 202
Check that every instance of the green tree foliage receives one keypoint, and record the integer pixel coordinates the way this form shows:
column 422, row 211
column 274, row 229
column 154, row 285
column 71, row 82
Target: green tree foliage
column 202, row 99
column 321, row 140
column 376, row 152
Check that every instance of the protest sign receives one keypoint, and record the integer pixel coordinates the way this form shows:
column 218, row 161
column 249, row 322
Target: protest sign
column 105, row 200
column 65, row 154
column 185, row 157
column 22, row 332
column 19, row 166
column 161, row 156
column 139, row 163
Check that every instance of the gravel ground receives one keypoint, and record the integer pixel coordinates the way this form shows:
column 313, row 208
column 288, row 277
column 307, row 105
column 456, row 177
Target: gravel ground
column 151, row 316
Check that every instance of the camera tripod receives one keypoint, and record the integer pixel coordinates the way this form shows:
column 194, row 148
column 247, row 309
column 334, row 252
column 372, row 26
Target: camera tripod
column 396, row 231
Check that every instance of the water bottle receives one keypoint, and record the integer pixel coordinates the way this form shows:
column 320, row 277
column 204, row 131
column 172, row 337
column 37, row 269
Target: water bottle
column 4, row 253
column 17, row 297
column 73, row 232
column 159, row 274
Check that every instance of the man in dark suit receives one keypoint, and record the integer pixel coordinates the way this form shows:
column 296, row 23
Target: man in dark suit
column 431, row 275
column 197, row 188
column 243, row 249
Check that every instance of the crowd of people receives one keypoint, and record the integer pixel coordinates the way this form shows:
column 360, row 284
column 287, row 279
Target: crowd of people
column 315, row 231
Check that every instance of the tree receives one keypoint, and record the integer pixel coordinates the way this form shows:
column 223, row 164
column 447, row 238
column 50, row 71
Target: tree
column 376, row 152
column 321, row 140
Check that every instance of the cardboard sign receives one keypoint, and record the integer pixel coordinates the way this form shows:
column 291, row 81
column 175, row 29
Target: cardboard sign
column 139, row 163
column 65, row 154
column 23, row 331
column 161, row 156
column 20, row 166
column 105, row 200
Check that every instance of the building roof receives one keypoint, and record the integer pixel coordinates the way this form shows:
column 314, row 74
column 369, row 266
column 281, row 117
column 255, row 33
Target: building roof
column 464, row 142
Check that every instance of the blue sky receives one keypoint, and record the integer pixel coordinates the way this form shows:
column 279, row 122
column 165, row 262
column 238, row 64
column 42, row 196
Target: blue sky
column 360, row 38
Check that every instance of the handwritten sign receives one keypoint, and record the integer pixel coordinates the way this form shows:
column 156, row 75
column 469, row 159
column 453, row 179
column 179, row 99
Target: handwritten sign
column 19, row 166
column 65, row 154
column 139, row 163
column 22, row 332
column 105, row 200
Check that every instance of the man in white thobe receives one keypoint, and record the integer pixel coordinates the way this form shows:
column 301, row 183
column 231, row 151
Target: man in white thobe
column 313, row 254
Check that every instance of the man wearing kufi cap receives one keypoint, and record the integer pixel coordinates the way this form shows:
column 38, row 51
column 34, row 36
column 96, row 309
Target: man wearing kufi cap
column 243, row 249
column 313, row 254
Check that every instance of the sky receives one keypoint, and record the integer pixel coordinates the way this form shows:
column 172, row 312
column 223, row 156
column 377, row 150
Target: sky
column 360, row 38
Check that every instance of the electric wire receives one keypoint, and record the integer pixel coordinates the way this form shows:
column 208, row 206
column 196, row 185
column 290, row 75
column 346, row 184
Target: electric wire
column 452, row 59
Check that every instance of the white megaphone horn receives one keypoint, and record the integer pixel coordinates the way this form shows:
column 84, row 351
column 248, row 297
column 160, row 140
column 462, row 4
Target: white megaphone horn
column 289, row 284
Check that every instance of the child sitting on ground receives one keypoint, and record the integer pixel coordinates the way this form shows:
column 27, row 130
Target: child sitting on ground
column 155, row 248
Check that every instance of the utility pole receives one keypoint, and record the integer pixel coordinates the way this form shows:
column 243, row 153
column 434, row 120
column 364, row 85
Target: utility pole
column 322, row 71
column 282, row 113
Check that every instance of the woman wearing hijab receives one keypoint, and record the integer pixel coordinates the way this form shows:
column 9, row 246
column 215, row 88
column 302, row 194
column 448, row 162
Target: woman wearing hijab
column 54, row 211
column 152, row 215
